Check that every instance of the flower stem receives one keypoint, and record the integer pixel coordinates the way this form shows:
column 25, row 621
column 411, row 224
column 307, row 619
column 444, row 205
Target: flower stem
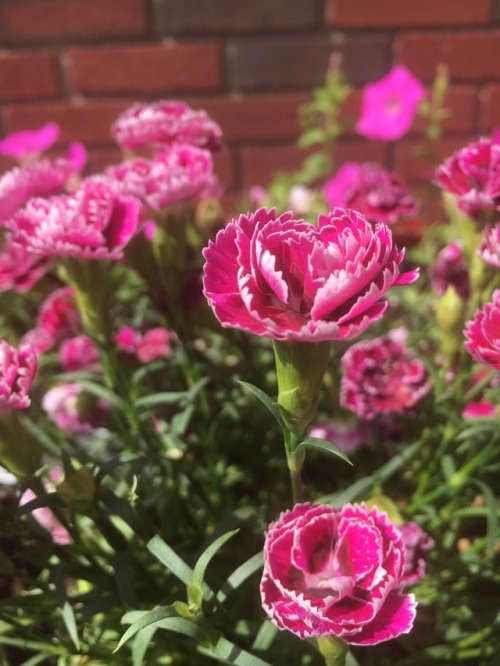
column 333, row 649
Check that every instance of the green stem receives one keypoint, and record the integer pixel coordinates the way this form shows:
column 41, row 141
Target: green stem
column 333, row 649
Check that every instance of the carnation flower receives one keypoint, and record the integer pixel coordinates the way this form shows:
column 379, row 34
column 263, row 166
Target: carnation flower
column 379, row 195
column 127, row 338
column 479, row 410
column 389, row 106
column 483, row 333
column 30, row 143
column 79, row 352
column 94, row 223
column 348, row 437
column 47, row 519
column 450, row 269
column 336, row 572
column 20, row 270
column 417, row 544
column 166, row 123
column 73, row 411
column 381, row 376
column 489, row 248
column 473, row 175
column 18, row 368
column 58, row 319
column 173, row 175
column 289, row 280
column 149, row 346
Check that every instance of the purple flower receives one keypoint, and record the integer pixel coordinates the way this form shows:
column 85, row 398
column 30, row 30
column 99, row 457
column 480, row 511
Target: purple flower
column 379, row 195
column 17, row 372
column 30, row 143
column 489, row 248
column 336, row 572
column 289, row 280
column 483, row 333
column 450, row 269
column 417, row 544
column 389, row 106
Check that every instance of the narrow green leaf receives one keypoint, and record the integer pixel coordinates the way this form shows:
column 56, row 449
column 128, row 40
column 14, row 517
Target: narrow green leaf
column 103, row 392
column 240, row 575
column 233, row 654
column 37, row 659
column 164, row 398
column 161, row 613
column 180, row 421
column 49, row 500
column 170, row 559
column 124, row 578
column 323, row 445
column 196, row 388
column 492, row 516
column 265, row 636
column 141, row 645
column 67, row 613
column 266, row 401
column 196, row 584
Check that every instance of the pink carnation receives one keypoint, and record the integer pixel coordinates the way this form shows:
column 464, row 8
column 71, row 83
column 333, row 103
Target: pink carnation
column 473, row 175
column 79, row 352
column 483, row 333
column 166, row 123
column 389, row 106
column 154, row 344
column 42, row 179
column 379, row 195
column 417, row 544
column 94, row 223
column 47, row 519
column 336, row 572
column 180, row 173
column 450, row 269
column 489, row 248
column 58, row 319
column 73, row 411
column 20, row 270
column 127, row 338
column 381, row 377
column 30, row 143
column 18, row 368
column 349, row 437
column 290, row 280
column 479, row 410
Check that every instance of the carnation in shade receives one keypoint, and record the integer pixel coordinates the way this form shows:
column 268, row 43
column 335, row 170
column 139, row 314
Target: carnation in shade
column 93, row 223
column 20, row 270
column 472, row 174
column 154, row 344
column 389, row 106
column 489, row 248
column 483, row 333
column 450, row 269
column 347, row 436
column 286, row 279
column 336, row 572
column 57, row 320
column 47, row 519
column 30, row 143
column 174, row 175
column 417, row 544
column 381, row 376
column 18, row 369
column 127, row 338
column 479, row 410
column 73, row 411
column 165, row 123
column 79, row 352
column 379, row 195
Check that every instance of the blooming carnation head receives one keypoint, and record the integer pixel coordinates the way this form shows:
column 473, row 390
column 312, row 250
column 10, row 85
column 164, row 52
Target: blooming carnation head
column 489, row 248
column 17, row 371
column 379, row 195
column 483, row 333
column 58, row 319
column 289, row 280
column 164, row 124
column 389, row 106
column 28, row 144
column 472, row 174
column 74, row 411
column 77, row 353
column 381, row 377
column 19, row 269
column 450, row 269
column 335, row 572
column 417, row 544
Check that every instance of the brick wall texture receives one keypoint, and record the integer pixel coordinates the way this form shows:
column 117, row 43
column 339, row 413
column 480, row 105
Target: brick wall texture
column 249, row 63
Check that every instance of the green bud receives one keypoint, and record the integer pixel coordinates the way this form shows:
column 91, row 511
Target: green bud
column 333, row 649
column 450, row 315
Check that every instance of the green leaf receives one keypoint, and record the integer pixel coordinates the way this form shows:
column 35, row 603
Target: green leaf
column 67, row 613
column 492, row 516
column 267, row 402
column 323, row 445
column 149, row 618
column 141, row 645
column 311, row 137
column 240, row 575
column 170, row 559
column 265, row 636
column 232, row 654
column 196, row 584
column 165, row 398
column 103, row 392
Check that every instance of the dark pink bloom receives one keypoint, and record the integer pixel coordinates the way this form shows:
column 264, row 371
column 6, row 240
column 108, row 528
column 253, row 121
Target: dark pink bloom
column 18, row 368
column 57, row 320
column 450, row 269
column 379, row 195
column 30, row 143
column 46, row 518
column 290, row 280
column 180, row 173
column 473, row 175
column 336, row 572
column 483, row 333
column 381, row 376
column 166, row 123
column 79, row 352
column 20, row 270
column 479, row 410
column 489, row 248
column 417, row 544
column 42, row 179
column 389, row 106
column 154, row 344
column 94, row 223
column 257, row 195
column 348, row 436
column 127, row 338
column 73, row 411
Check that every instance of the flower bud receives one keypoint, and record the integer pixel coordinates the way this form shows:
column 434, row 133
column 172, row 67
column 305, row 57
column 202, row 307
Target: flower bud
column 450, row 315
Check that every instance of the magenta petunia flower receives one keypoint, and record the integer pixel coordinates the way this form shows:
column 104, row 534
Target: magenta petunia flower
column 389, row 106
column 381, row 376
column 489, row 248
column 30, row 143
column 348, row 436
column 450, row 269
column 18, row 368
column 47, row 519
column 20, row 270
column 417, row 544
column 483, row 333
column 335, row 572
column 173, row 175
column 164, row 124
column 289, row 280
column 93, row 223
column 42, row 179
column 473, row 175
column 79, row 352
column 379, row 195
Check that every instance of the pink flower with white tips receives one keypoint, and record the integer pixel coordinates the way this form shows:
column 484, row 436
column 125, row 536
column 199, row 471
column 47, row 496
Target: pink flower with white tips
column 20, row 270
column 18, row 368
column 57, row 320
column 489, row 248
column 483, row 333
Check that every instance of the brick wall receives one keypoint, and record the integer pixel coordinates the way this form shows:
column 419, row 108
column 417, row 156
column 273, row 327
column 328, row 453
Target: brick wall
column 250, row 63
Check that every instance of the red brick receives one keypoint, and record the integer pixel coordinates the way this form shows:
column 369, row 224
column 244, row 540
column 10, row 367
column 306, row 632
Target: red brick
column 148, row 69
column 470, row 56
column 413, row 13
column 261, row 163
column 490, row 106
column 28, row 75
column 225, row 168
column 70, row 19
column 100, row 158
column 413, row 167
